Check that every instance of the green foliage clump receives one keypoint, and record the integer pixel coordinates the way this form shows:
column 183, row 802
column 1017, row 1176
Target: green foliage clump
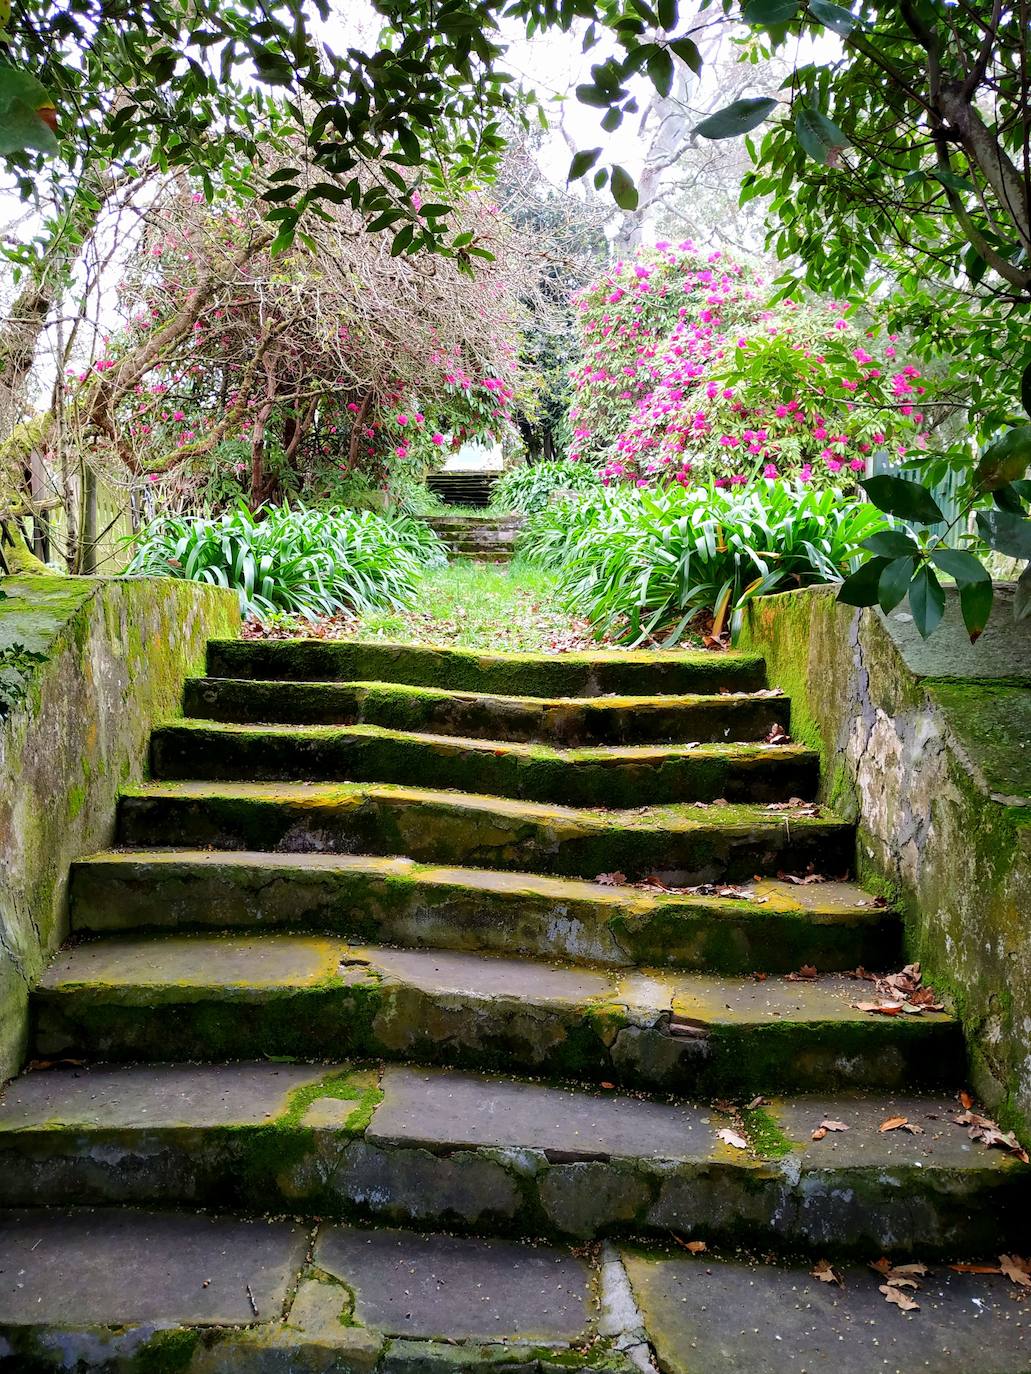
column 300, row 561
column 643, row 564
column 529, row 488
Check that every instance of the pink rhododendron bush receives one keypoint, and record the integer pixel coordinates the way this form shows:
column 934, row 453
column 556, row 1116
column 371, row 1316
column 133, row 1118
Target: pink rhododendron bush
column 688, row 376
column 242, row 371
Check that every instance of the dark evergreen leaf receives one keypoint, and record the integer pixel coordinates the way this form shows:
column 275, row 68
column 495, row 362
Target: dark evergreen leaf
column 738, row 118
column 860, row 589
column 926, row 601
column 908, row 500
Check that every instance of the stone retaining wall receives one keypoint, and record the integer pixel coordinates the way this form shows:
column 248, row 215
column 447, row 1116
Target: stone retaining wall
column 928, row 744
column 87, row 666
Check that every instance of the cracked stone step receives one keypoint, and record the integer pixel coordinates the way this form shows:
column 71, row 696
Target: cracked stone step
column 686, row 844
column 777, row 927
column 626, row 775
column 718, row 1317
column 196, row 997
column 629, row 672
column 143, row 1291
column 432, row 1147
column 560, row 721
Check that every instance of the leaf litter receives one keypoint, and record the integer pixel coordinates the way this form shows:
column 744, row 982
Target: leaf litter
column 902, row 993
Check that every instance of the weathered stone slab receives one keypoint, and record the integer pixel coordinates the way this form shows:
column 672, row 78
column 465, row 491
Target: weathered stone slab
column 707, row 1317
column 451, row 972
column 781, row 927
column 453, row 1110
column 156, row 1096
column 114, row 1268
column 406, row 1284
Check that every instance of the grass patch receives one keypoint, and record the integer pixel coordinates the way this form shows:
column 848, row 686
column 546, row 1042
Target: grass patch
column 508, row 606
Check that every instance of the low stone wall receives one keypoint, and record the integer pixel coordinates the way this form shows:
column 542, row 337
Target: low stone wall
column 929, row 745
column 86, row 668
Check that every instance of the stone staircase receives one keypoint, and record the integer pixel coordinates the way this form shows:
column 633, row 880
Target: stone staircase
column 483, row 538
column 431, row 1003
column 463, row 486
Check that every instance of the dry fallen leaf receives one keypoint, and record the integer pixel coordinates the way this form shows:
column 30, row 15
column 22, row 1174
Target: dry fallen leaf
column 697, row 1247
column 976, row 1268
column 833, row 1126
column 756, row 1102
column 893, row 1123
column 805, row 974
column 883, row 1008
column 1017, row 1270
column 733, row 1138
column 826, row 1273
column 611, row 879
column 966, row 1101
column 819, row 1133
column 900, row 1299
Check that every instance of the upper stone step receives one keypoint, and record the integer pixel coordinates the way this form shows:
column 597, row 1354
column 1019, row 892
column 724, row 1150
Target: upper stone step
column 561, row 721
column 685, row 844
column 435, row 1147
column 513, row 674
column 122, row 1289
column 197, row 997
column 770, row 926
column 620, row 775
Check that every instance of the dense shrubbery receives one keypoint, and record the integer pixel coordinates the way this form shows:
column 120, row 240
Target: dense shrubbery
column 529, row 488
column 643, row 564
column 304, row 562
column 688, row 375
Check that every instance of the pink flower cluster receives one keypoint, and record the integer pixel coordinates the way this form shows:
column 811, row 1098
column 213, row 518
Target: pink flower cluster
column 687, row 375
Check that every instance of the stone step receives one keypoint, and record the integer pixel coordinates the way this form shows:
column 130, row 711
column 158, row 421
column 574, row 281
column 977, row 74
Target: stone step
column 561, row 721
column 434, row 1147
column 121, row 1289
column 637, row 673
column 681, row 844
column 776, row 927
column 205, row 998
column 615, row 775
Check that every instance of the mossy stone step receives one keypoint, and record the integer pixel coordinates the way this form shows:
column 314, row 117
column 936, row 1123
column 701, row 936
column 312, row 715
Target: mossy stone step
column 615, row 775
column 684, row 844
column 197, row 997
column 433, row 1147
column 559, row 721
column 636, row 673
column 778, row 929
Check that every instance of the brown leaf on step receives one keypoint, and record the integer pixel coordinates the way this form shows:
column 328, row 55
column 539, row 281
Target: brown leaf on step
column 908, row 1269
column 1017, row 1270
column 697, row 1247
column 777, row 735
column 828, row 1125
column 976, row 1268
column 819, row 1133
column 611, row 879
column 606, row 1085
column 880, row 901
column 881, row 1266
column 804, row 975
column 826, row 1273
column 987, row 1132
column 881, row 1008
column 730, row 1137
column 760, row 977
column 40, row 1064
column 892, row 1123
column 801, row 879
column 900, row 1299
column 966, row 1101
column 755, row 1103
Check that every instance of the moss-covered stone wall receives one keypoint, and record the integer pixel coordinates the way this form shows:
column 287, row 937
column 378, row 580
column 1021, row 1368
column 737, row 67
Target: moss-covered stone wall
column 87, row 666
column 928, row 745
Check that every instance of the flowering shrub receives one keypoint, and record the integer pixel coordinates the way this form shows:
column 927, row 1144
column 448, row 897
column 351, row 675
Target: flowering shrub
column 643, row 564
column 687, row 376
column 334, row 360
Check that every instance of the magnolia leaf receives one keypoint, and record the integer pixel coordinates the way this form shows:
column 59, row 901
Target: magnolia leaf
column 819, row 136
column 975, row 601
column 860, row 589
column 909, row 500
column 926, row 601
column 687, row 50
column 22, row 128
column 582, row 163
column 739, row 118
column 1006, row 460
column 892, row 544
column 1005, row 532
column 768, row 11
column 660, row 70
column 894, row 583
column 624, row 192
column 1022, row 598
column 963, row 566
column 834, row 17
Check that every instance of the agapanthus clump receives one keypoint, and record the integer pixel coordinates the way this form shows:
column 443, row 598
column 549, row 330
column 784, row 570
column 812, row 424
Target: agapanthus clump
column 688, row 376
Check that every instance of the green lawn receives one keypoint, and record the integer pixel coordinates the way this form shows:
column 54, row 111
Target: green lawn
column 482, row 606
